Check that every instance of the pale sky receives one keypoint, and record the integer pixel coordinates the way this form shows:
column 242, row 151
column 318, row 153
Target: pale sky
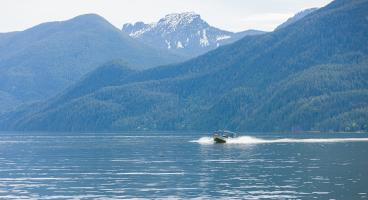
column 232, row 15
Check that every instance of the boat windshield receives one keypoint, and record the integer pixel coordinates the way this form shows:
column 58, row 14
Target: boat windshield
column 225, row 133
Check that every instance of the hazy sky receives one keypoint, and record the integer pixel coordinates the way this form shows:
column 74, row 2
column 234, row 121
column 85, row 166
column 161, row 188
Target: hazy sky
column 233, row 15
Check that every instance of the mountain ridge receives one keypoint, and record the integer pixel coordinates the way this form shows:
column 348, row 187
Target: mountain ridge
column 40, row 61
column 298, row 16
column 183, row 33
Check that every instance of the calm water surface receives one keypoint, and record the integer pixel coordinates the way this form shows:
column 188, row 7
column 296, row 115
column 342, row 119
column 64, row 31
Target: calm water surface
column 182, row 166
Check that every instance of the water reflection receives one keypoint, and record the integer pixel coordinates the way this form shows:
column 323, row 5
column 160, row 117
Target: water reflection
column 168, row 166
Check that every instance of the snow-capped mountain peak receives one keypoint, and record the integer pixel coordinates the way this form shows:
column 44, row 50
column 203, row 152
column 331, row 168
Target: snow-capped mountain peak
column 183, row 33
column 176, row 20
column 170, row 23
column 137, row 29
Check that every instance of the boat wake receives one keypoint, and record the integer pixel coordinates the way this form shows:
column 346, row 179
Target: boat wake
column 254, row 140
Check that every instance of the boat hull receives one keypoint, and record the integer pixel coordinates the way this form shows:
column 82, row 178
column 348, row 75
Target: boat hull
column 219, row 139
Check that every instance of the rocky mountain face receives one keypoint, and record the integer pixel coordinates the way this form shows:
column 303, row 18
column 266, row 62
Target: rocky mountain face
column 183, row 33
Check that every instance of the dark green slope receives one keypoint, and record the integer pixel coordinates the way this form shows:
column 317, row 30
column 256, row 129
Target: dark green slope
column 43, row 60
column 307, row 76
column 303, row 101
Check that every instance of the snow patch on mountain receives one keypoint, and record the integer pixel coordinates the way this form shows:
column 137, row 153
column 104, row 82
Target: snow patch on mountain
column 168, row 44
column 179, row 45
column 223, row 37
column 203, row 41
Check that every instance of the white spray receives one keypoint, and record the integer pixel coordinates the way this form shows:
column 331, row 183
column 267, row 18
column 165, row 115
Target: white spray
column 254, row 140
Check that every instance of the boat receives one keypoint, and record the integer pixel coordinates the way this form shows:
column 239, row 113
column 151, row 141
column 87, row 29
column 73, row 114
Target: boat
column 221, row 136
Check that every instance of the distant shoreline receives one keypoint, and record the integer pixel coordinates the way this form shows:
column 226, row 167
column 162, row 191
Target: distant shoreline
column 182, row 132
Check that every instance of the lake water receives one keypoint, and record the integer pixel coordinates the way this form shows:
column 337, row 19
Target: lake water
column 182, row 166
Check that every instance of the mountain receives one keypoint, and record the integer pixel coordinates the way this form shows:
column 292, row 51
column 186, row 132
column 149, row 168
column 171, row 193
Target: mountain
column 308, row 76
column 39, row 62
column 300, row 15
column 185, row 34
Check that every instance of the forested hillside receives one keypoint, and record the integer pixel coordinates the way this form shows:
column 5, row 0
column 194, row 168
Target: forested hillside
column 310, row 75
column 39, row 62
